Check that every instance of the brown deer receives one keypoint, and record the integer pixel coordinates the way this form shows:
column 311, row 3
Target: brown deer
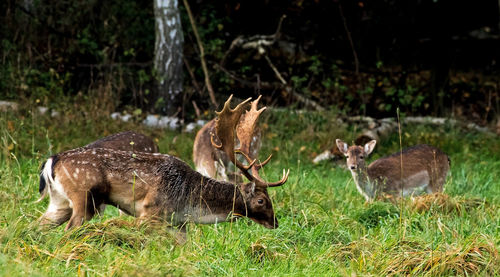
column 416, row 170
column 213, row 162
column 126, row 141
column 152, row 185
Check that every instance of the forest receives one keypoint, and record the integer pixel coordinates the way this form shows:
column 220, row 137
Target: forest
column 321, row 76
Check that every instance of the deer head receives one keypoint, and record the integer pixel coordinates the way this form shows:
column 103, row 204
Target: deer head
column 356, row 154
column 227, row 124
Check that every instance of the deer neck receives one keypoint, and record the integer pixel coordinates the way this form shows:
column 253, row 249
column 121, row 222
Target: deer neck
column 364, row 184
column 212, row 201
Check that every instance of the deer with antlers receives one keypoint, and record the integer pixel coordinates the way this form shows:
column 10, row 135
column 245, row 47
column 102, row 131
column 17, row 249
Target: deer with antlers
column 416, row 170
column 152, row 185
column 215, row 163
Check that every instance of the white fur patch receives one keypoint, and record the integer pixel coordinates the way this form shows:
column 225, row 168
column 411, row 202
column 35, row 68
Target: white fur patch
column 58, row 197
column 358, row 186
column 202, row 170
column 197, row 215
column 416, row 184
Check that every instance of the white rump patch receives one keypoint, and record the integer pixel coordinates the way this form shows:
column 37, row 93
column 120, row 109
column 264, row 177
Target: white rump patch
column 58, row 197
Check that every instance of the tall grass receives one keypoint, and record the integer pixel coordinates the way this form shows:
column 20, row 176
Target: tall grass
column 326, row 228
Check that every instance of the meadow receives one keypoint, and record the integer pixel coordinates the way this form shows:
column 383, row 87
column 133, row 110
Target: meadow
column 325, row 226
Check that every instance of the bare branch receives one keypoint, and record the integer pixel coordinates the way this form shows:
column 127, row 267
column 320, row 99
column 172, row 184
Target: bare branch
column 202, row 55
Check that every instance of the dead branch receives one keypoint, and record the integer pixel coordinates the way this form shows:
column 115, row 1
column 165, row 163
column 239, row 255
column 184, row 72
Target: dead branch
column 276, row 72
column 378, row 129
column 349, row 37
column 202, row 55
column 246, row 82
column 193, row 78
column 308, row 102
column 254, row 42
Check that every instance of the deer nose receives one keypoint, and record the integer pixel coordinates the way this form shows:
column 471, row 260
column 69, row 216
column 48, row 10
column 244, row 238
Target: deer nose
column 353, row 167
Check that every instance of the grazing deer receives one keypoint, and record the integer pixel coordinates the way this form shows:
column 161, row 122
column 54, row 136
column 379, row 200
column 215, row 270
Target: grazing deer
column 215, row 163
column 126, row 141
column 152, row 185
column 424, row 170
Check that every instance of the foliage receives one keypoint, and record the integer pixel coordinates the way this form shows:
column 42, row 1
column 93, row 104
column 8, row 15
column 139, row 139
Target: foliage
column 52, row 49
column 326, row 228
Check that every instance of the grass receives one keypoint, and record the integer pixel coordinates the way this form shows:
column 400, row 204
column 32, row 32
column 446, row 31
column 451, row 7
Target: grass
column 326, row 228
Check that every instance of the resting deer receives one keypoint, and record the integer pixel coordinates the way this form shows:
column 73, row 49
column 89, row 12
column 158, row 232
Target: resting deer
column 424, row 170
column 152, row 185
column 213, row 162
column 126, row 141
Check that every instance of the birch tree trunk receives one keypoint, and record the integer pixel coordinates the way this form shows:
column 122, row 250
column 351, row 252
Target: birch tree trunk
column 168, row 55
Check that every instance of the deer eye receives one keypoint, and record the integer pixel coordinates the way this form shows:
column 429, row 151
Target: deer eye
column 260, row 201
column 347, row 156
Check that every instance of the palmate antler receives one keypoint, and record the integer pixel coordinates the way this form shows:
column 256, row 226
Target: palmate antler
column 226, row 125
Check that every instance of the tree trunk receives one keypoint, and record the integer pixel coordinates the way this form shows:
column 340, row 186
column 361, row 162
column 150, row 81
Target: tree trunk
column 168, row 56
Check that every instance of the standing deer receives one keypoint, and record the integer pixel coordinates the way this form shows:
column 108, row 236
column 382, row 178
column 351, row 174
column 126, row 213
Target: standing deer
column 152, row 185
column 125, row 141
column 213, row 162
column 424, row 169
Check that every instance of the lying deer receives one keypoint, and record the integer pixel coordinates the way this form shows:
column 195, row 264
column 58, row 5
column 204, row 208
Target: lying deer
column 213, row 162
column 152, row 185
column 424, row 170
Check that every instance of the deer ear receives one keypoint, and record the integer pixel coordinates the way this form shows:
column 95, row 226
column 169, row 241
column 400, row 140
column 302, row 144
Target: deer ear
column 250, row 188
column 369, row 146
column 342, row 146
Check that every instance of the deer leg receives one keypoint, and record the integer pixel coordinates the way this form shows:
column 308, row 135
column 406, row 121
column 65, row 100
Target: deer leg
column 59, row 210
column 84, row 208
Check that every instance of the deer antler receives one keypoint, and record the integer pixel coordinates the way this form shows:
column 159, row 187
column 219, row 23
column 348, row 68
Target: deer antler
column 227, row 121
column 246, row 131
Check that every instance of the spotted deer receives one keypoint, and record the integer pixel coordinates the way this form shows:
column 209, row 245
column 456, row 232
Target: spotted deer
column 416, row 170
column 213, row 162
column 126, row 141
column 158, row 186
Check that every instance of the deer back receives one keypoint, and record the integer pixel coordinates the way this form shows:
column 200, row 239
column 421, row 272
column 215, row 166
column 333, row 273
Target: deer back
column 126, row 141
column 207, row 159
column 421, row 165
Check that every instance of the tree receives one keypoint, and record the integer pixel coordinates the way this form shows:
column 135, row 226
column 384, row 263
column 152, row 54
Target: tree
column 168, row 55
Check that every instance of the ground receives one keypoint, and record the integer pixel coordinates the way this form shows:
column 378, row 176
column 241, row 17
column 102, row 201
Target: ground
column 326, row 228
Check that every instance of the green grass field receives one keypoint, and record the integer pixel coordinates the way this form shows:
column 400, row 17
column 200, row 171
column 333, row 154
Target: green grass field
column 326, row 228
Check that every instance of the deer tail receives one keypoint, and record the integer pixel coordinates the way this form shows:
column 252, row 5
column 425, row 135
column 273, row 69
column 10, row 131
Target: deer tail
column 46, row 178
